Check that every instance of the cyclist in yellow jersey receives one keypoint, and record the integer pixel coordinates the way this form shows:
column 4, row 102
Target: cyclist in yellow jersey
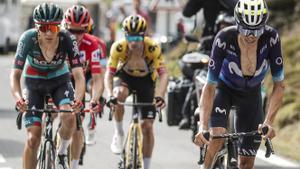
column 137, row 61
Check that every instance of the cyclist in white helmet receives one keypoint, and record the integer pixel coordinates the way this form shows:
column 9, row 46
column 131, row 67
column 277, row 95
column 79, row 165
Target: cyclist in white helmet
column 240, row 59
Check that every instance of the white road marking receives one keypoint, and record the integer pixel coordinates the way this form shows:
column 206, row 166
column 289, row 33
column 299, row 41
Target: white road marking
column 2, row 159
column 5, row 168
column 276, row 160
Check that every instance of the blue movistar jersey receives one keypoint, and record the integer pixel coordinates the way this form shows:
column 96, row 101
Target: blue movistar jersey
column 225, row 62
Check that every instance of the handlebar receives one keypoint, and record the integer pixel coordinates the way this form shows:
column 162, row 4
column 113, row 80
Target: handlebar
column 139, row 104
column 268, row 143
column 20, row 115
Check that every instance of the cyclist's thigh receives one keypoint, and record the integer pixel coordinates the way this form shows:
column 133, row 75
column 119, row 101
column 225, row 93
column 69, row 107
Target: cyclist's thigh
column 35, row 101
column 221, row 107
column 63, row 94
column 249, row 116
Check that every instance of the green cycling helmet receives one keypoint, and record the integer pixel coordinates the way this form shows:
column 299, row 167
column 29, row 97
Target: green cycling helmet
column 47, row 13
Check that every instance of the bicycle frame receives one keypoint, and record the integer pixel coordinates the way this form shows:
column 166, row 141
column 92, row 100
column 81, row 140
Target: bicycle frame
column 132, row 155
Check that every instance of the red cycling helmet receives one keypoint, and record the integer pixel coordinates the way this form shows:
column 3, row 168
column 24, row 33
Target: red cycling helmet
column 77, row 15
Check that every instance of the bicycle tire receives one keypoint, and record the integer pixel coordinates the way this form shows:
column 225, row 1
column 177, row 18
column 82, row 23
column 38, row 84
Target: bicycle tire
column 135, row 149
column 41, row 157
column 128, row 148
column 49, row 156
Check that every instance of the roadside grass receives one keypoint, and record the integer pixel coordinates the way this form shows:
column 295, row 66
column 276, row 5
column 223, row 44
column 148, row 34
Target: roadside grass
column 286, row 142
column 287, row 122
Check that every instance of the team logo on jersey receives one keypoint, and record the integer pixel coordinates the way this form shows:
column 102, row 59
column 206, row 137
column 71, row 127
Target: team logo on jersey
column 44, row 62
column 264, row 66
column 119, row 48
column 263, row 49
column 221, row 44
column 75, row 48
column 20, row 48
column 96, row 55
column 66, row 93
column 151, row 48
column 221, row 111
column 274, row 41
column 82, row 56
column 212, row 64
column 233, row 68
column 231, row 52
column 278, row 61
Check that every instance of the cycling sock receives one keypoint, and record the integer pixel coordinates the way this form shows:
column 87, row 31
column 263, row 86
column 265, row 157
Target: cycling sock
column 119, row 128
column 75, row 164
column 147, row 161
column 63, row 146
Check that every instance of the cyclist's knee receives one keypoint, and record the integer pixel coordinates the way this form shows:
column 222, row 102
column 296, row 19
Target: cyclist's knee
column 121, row 93
column 33, row 141
column 246, row 162
column 67, row 119
column 147, row 127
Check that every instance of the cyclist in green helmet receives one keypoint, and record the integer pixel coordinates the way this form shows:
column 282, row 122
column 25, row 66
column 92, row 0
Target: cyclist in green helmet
column 41, row 53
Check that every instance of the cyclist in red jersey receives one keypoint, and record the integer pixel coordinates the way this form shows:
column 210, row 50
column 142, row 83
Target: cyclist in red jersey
column 76, row 20
column 90, row 135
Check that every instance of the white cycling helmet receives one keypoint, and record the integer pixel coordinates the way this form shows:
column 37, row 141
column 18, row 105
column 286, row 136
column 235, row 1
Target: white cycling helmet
column 251, row 14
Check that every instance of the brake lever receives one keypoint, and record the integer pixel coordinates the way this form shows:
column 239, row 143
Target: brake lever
column 269, row 148
column 203, row 149
column 268, row 143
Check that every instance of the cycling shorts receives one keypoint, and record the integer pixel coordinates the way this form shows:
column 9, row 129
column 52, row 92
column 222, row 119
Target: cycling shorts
column 60, row 89
column 249, row 114
column 144, row 87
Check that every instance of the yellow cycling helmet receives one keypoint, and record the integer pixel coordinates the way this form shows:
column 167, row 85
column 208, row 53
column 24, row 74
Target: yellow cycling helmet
column 134, row 25
column 91, row 26
column 251, row 14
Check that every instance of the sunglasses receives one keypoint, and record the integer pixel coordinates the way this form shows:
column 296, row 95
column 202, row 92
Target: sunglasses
column 52, row 28
column 254, row 32
column 77, row 31
column 134, row 38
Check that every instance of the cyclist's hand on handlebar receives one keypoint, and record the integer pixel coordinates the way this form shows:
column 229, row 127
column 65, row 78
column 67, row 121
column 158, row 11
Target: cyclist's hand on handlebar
column 159, row 102
column 21, row 105
column 77, row 106
column 95, row 106
column 111, row 101
column 271, row 132
column 200, row 139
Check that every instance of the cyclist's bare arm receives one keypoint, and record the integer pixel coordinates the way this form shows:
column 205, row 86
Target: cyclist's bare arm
column 79, row 82
column 15, row 84
column 163, row 83
column 205, row 107
column 275, row 102
column 206, row 104
column 108, row 82
column 97, row 87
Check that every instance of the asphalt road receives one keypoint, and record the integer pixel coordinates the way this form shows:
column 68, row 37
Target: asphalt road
column 173, row 147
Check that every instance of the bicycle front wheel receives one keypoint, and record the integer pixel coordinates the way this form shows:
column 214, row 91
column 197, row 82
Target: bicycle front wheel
column 49, row 156
column 134, row 156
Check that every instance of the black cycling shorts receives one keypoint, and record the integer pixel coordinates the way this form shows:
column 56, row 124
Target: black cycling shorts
column 144, row 87
column 60, row 89
column 249, row 114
